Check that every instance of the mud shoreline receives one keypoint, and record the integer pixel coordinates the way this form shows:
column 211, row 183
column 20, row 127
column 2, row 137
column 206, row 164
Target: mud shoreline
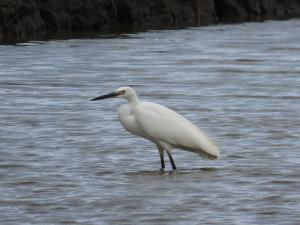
column 39, row 19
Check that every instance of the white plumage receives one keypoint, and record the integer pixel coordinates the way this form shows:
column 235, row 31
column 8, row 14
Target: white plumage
column 161, row 125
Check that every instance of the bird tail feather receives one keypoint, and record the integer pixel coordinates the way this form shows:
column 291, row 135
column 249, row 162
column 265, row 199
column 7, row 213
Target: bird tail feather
column 202, row 153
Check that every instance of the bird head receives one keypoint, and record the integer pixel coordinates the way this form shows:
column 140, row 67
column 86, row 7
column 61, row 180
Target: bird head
column 124, row 92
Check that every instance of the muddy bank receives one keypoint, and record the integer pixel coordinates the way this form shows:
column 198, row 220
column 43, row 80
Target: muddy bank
column 31, row 19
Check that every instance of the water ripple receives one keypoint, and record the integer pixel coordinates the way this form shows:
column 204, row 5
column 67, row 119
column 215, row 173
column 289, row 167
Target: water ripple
column 66, row 160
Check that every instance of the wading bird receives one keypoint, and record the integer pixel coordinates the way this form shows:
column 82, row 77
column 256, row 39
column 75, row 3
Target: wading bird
column 164, row 127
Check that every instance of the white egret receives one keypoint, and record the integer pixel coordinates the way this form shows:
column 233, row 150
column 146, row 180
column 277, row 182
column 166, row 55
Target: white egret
column 161, row 125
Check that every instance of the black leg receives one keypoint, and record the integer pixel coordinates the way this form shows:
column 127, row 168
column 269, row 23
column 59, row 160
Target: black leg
column 171, row 160
column 161, row 154
column 162, row 161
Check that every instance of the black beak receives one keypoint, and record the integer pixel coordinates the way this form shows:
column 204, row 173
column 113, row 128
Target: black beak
column 110, row 95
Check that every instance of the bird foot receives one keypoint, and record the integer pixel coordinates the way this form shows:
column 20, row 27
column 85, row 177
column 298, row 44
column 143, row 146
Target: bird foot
column 172, row 172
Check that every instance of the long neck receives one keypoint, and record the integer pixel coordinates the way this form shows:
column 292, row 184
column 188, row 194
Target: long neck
column 133, row 100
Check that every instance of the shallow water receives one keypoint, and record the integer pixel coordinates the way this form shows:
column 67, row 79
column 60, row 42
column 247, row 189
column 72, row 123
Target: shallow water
column 67, row 160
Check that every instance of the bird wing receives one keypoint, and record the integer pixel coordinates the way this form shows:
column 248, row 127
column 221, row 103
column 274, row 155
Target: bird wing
column 162, row 124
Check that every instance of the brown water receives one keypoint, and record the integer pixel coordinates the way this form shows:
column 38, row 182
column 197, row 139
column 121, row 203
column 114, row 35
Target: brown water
column 66, row 160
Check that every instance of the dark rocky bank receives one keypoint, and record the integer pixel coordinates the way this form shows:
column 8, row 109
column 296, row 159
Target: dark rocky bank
column 36, row 19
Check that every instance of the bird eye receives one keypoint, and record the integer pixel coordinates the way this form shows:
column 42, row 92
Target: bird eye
column 123, row 92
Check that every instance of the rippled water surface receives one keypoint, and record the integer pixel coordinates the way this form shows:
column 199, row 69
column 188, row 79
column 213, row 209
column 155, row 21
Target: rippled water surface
column 67, row 160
